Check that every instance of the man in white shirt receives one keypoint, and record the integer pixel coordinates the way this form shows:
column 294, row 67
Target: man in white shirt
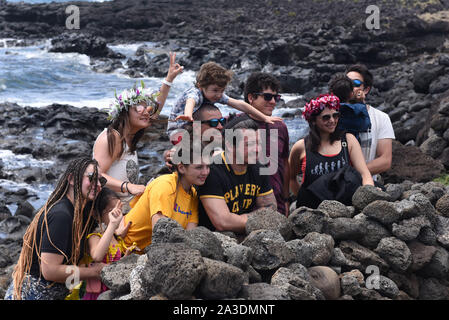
column 377, row 143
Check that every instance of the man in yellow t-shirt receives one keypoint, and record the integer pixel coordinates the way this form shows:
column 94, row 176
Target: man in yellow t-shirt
column 163, row 196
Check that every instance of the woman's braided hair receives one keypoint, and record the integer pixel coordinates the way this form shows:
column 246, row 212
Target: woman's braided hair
column 75, row 171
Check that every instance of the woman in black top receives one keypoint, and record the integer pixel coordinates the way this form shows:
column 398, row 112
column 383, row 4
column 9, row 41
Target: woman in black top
column 321, row 151
column 54, row 241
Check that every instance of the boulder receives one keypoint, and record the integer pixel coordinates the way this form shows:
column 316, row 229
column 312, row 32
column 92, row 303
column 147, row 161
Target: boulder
column 173, row 269
column 305, row 220
column 421, row 255
column 366, row 195
column 345, row 228
column 396, row 253
column 382, row 211
column 234, row 253
column 116, row 275
column 322, row 247
column 269, row 219
column 221, row 280
column 270, row 250
column 334, row 209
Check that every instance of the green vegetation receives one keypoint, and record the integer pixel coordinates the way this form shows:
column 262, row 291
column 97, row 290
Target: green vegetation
column 444, row 179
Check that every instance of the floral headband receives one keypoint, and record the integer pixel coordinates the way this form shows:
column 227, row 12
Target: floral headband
column 132, row 97
column 315, row 106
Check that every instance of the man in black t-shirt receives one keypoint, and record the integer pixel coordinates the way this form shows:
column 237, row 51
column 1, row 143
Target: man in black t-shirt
column 235, row 186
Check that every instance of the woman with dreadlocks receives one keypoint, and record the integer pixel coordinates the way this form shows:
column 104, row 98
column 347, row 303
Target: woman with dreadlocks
column 54, row 241
column 115, row 148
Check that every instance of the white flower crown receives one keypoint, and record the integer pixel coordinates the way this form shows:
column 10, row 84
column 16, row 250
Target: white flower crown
column 128, row 98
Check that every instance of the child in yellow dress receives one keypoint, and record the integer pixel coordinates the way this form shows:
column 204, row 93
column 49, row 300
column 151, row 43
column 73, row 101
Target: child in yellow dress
column 105, row 246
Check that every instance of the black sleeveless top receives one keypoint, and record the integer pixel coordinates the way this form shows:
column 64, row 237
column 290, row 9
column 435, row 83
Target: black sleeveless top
column 316, row 166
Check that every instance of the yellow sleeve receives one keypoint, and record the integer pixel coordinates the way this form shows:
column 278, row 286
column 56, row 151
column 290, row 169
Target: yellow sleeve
column 161, row 199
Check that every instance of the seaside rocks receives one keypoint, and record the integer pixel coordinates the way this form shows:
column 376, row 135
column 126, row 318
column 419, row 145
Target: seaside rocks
column 270, row 250
column 221, row 280
column 174, row 270
column 87, row 44
column 268, row 219
column 395, row 252
column 365, row 195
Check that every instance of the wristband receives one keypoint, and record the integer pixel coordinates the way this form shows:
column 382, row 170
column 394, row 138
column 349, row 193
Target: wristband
column 167, row 83
column 128, row 189
column 121, row 187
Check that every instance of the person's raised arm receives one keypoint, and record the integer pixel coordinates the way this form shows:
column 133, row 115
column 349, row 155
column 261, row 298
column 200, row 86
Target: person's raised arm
column 221, row 217
column 249, row 109
column 357, row 160
column 173, row 71
column 294, row 163
column 383, row 159
column 99, row 246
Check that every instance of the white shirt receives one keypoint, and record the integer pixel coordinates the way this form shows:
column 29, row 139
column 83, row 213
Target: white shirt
column 381, row 128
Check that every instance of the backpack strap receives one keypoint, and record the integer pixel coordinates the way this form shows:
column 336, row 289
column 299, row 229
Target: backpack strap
column 344, row 145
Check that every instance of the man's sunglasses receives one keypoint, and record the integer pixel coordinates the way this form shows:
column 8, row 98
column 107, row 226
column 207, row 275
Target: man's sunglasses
column 357, row 83
column 269, row 96
column 102, row 180
column 327, row 117
column 214, row 122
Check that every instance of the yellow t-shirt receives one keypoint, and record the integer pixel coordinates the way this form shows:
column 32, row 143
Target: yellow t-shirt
column 159, row 196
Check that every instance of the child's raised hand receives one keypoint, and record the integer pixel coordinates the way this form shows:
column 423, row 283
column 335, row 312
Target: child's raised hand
column 184, row 118
column 174, row 69
column 115, row 215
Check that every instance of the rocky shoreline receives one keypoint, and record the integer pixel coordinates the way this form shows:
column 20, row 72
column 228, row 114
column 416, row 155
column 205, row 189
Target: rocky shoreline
column 303, row 45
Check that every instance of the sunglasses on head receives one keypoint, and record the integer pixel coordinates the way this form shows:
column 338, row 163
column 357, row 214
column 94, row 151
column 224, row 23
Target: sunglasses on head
column 102, row 180
column 327, row 117
column 357, row 83
column 214, row 122
column 269, row 96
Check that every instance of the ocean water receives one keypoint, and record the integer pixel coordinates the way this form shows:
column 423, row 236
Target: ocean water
column 32, row 76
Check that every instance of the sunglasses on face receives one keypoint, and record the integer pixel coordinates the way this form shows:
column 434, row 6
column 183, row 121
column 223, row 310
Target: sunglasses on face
column 327, row 117
column 151, row 109
column 269, row 96
column 214, row 122
column 357, row 83
column 102, row 180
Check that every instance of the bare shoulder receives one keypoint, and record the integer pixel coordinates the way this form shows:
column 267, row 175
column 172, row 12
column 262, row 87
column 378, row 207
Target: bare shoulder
column 299, row 147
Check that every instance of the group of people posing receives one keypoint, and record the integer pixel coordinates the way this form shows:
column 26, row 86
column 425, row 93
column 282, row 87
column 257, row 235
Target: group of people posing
column 99, row 212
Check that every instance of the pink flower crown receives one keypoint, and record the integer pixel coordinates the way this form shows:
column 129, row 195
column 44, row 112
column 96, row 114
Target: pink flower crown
column 315, row 106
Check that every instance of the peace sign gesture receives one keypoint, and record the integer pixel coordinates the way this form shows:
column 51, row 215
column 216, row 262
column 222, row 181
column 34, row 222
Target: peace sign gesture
column 174, row 69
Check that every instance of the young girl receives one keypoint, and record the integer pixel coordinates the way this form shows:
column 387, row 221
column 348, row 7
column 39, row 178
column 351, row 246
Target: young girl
column 105, row 247
column 211, row 82
column 170, row 195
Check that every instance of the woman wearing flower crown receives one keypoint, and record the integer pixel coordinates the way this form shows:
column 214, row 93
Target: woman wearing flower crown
column 322, row 151
column 115, row 148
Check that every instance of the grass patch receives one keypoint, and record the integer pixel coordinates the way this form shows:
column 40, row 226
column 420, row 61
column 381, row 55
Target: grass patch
column 444, row 179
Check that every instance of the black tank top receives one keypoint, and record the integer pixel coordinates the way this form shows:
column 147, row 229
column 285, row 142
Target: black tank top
column 317, row 165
